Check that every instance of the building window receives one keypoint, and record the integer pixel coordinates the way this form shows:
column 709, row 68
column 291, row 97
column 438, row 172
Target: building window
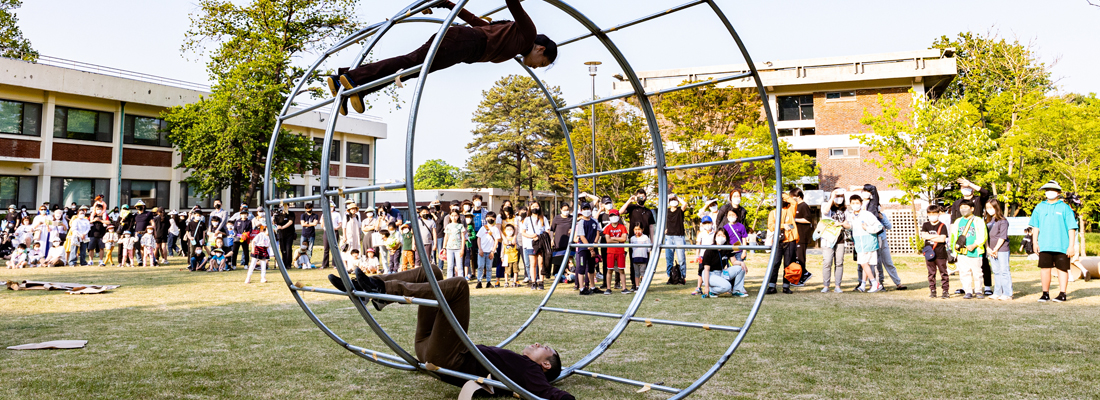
column 848, row 95
column 844, row 153
column 145, row 131
column 807, row 132
column 796, row 108
column 74, row 123
column 152, row 193
column 786, row 132
column 64, row 191
column 334, row 152
column 288, row 191
column 19, row 118
column 190, row 198
column 18, row 190
column 358, row 153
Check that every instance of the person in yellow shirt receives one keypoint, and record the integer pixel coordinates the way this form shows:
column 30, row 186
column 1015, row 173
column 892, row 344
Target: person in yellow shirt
column 787, row 233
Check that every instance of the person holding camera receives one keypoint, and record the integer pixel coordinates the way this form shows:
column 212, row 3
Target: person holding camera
column 968, row 237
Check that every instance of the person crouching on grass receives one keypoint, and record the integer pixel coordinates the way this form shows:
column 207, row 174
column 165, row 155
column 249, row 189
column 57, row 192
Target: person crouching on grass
column 436, row 342
column 717, row 277
column 865, row 229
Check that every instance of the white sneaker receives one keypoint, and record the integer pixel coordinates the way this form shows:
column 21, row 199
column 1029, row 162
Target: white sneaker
column 875, row 289
column 825, row 290
column 837, row 290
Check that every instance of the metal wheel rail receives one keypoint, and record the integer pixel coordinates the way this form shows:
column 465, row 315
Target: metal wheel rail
column 405, row 361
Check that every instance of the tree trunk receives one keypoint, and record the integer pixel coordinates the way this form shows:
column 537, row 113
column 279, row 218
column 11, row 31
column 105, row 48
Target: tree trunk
column 235, row 191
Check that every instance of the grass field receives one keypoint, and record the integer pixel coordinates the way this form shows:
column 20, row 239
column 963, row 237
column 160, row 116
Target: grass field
column 171, row 334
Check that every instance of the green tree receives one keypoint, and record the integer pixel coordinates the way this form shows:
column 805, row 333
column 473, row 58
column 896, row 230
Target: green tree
column 515, row 135
column 1065, row 131
column 928, row 150
column 436, row 174
column 709, row 123
column 622, row 141
column 12, row 42
column 224, row 137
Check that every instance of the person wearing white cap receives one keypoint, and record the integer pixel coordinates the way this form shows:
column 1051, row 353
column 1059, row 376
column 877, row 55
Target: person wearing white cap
column 1054, row 232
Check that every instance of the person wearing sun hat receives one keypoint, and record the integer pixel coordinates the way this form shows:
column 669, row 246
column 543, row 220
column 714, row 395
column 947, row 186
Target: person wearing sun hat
column 1054, row 232
column 352, row 228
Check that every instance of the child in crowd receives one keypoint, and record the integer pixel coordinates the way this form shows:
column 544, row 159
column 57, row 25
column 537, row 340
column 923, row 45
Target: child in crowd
column 352, row 262
column 394, row 244
column 127, row 242
column 934, row 233
column 865, row 229
column 24, row 233
column 370, row 263
column 260, row 254
column 216, row 260
column 408, row 247
column 229, row 238
column 383, row 250
column 487, row 238
column 109, row 240
column 148, row 247
column 197, row 260
column 639, row 256
column 302, row 261
column 509, row 256
column 588, row 231
column 18, row 257
column 56, row 254
column 34, row 257
column 615, row 232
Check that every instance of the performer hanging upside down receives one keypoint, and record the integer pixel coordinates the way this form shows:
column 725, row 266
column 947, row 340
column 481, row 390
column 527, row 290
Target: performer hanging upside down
column 438, row 343
column 482, row 41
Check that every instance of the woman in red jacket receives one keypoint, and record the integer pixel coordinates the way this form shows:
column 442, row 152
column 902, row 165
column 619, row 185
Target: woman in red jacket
column 482, row 41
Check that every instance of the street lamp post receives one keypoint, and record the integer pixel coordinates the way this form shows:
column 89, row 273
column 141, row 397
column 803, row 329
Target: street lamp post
column 592, row 65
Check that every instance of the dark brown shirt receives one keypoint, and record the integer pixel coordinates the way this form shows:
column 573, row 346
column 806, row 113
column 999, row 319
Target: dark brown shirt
column 506, row 40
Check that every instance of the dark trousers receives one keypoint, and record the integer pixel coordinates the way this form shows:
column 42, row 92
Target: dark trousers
column 603, row 267
column 987, row 273
column 460, row 45
column 325, row 255
column 240, row 247
column 787, row 251
column 286, row 248
column 937, row 265
column 436, row 341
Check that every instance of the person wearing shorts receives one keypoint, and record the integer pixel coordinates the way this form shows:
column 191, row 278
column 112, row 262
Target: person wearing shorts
column 865, row 229
column 1054, row 234
column 615, row 233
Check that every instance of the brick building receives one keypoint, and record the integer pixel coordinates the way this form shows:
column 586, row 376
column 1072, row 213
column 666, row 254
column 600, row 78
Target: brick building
column 70, row 131
column 818, row 103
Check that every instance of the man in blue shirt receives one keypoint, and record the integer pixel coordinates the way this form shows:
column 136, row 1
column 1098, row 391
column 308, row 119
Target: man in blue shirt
column 1054, row 232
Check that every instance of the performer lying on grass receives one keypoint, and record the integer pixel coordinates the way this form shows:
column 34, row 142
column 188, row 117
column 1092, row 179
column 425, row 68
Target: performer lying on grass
column 482, row 41
column 438, row 343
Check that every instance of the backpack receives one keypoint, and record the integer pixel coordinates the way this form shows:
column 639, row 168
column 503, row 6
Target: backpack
column 675, row 278
column 793, row 272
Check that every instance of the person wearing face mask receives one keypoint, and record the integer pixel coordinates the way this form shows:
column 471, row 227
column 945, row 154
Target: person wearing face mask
column 674, row 235
column 787, row 233
column 441, row 222
column 967, row 242
column 142, row 220
column 427, row 236
column 536, row 242
column 733, row 204
column 587, row 232
column 1054, row 234
column 370, row 225
column 352, row 229
column 885, row 266
column 865, row 229
column 222, row 214
column 78, row 237
column 603, row 217
column 285, row 232
column 832, row 233
column 979, row 196
column 242, row 225
column 719, row 274
column 636, row 213
column 805, row 230
column 488, row 237
column 616, row 232
column 560, row 227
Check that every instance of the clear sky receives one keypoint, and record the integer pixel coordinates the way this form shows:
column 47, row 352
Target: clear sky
column 145, row 36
